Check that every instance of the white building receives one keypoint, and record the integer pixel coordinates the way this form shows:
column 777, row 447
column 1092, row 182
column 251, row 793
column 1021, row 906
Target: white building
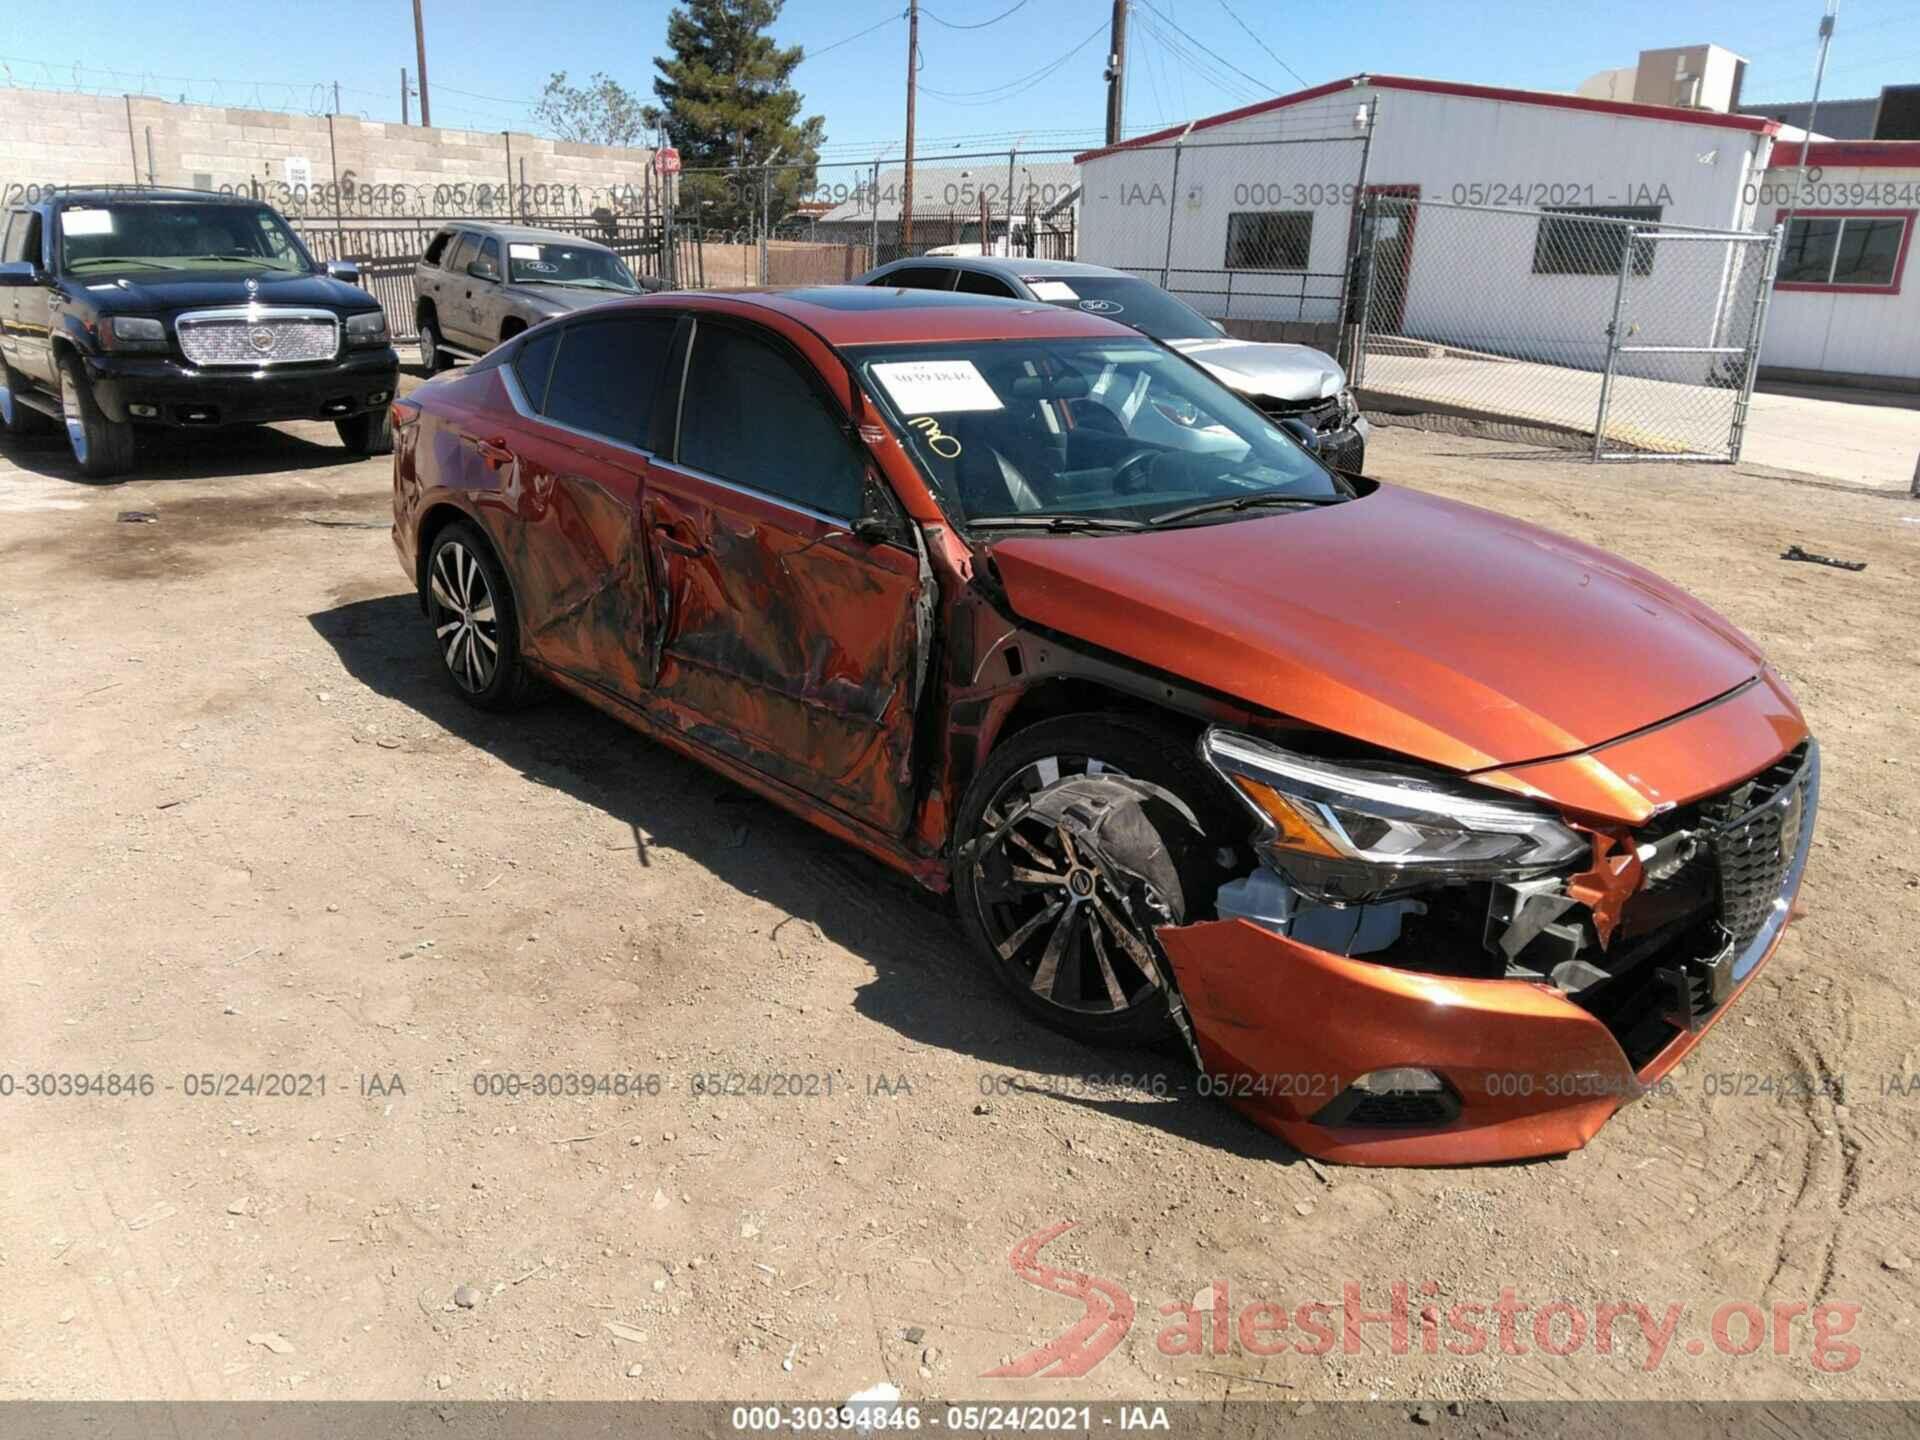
column 1844, row 306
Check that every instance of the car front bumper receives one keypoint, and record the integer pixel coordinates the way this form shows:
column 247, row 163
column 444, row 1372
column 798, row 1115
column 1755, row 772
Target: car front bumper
column 127, row 387
column 1284, row 1030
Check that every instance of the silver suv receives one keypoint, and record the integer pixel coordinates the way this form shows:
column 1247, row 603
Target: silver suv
column 480, row 283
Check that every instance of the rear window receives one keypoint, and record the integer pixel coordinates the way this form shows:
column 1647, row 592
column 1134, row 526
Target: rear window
column 1131, row 301
column 437, row 250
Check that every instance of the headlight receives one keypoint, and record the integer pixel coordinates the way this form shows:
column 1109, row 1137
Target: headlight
column 1349, row 407
column 367, row 329
column 1351, row 831
column 132, row 332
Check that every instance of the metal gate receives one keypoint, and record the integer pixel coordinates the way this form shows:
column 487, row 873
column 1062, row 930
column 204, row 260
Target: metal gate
column 1619, row 335
column 1685, row 399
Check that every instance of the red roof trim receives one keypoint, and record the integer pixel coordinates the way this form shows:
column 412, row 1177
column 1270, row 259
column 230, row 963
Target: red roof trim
column 1751, row 124
column 1849, row 154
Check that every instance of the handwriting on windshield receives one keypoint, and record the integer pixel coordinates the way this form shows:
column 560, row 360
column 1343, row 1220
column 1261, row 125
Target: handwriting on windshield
column 937, row 440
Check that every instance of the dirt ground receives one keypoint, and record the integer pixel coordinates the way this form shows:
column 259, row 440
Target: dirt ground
column 248, row 830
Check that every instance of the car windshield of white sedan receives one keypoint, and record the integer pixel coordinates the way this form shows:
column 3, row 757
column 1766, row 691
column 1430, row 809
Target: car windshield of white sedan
column 170, row 235
column 587, row 266
column 1089, row 435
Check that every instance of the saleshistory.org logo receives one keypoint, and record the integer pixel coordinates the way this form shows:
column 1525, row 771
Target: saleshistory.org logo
column 1211, row 1324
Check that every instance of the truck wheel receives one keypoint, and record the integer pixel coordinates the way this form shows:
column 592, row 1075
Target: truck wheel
column 17, row 417
column 1061, row 910
column 432, row 360
column 368, row 434
column 102, row 447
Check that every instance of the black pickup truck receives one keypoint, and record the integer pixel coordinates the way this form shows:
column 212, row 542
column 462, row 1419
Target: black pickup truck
column 128, row 307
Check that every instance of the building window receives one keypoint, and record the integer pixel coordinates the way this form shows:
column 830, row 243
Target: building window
column 1269, row 239
column 1862, row 251
column 1590, row 240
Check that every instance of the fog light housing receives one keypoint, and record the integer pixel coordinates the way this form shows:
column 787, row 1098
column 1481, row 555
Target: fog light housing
column 378, row 397
column 1398, row 1097
column 143, row 412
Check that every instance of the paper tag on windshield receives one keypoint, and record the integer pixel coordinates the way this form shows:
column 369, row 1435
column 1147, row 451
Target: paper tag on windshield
column 87, row 222
column 936, row 387
column 1053, row 290
column 523, row 252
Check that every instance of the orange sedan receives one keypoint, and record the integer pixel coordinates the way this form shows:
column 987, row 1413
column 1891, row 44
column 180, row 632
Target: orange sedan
column 1434, row 836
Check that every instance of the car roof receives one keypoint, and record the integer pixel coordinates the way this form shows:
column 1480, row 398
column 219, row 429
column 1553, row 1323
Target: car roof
column 1016, row 266
column 523, row 232
column 142, row 194
column 885, row 315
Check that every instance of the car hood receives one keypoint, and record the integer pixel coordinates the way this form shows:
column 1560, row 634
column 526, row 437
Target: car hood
column 1270, row 371
column 150, row 290
column 1417, row 624
column 570, row 297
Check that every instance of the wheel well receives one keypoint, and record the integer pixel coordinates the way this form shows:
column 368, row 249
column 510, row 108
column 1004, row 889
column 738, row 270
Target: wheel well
column 425, row 311
column 436, row 519
column 1064, row 695
column 511, row 328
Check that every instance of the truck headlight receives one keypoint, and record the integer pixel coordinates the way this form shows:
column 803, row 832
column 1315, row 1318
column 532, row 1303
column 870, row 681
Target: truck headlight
column 132, row 332
column 369, row 328
column 1349, row 407
column 1350, row 831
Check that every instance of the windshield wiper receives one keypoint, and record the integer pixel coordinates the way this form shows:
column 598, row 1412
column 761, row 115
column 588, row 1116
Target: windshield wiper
column 1057, row 523
column 1246, row 502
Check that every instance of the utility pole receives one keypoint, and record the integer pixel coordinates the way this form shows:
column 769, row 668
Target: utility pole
column 336, row 97
column 406, row 94
column 913, row 58
column 1795, row 200
column 1117, row 73
column 420, row 55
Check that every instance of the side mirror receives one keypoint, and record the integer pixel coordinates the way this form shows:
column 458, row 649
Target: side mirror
column 1220, row 325
column 343, row 270
column 1308, row 437
column 879, row 520
column 19, row 272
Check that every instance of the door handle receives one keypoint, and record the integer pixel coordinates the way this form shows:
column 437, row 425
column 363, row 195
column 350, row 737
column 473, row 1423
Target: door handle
column 495, row 453
column 675, row 537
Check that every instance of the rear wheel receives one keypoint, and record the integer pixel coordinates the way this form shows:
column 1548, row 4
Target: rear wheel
column 102, row 447
column 368, row 434
column 432, row 359
column 1061, row 903
column 470, row 606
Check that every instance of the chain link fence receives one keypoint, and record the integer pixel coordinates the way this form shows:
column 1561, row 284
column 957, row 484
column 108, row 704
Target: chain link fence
column 1639, row 338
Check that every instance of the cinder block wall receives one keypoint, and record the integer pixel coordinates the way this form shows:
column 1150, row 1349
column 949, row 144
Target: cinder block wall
column 54, row 138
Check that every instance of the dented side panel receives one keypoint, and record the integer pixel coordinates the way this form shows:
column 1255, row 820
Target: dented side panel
column 786, row 642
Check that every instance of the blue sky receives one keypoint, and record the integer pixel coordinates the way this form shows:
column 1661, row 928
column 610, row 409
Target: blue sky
column 981, row 87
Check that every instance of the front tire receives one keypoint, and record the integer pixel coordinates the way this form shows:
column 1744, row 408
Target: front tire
column 102, row 448
column 1074, row 950
column 368, row 434
column 475, row 627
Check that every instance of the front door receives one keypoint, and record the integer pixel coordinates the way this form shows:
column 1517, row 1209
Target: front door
column 786, row 641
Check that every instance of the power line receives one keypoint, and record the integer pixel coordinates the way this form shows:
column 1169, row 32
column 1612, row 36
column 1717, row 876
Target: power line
column 979, row 25
column 1262, row 44
column 857, row 35
column 999, row 93
column 1214, row 53
column 1188, row 61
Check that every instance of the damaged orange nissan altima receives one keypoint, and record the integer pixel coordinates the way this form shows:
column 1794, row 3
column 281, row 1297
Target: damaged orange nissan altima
column 1435, row 836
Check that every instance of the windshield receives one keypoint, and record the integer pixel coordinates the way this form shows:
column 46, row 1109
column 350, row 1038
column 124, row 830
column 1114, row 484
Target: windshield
column 1131, row 301
column 584, row 265
column 1090, row 432
column 172, row 235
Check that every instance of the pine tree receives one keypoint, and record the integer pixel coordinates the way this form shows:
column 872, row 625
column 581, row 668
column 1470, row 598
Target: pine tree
column 726, row 103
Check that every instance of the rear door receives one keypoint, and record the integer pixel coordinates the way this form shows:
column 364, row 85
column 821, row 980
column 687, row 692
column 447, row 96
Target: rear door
column 455, row 322
column 787, row 642
column 574, row 459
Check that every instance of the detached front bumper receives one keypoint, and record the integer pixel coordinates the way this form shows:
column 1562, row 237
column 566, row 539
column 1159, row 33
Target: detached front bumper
column 163, row 390
column 1285, row 1030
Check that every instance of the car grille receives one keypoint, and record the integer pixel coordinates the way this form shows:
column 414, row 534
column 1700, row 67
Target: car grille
column 258, row 337
column 1325, row 419
column 1756, row 831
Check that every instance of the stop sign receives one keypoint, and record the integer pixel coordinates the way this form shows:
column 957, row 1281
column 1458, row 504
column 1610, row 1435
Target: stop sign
column 667, row 161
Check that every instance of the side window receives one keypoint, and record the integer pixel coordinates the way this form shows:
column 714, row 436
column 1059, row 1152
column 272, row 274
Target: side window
column 607, row 374
column 919, row 277
column 488, row 259
column 534, row 364
column 437, row 247
column 15, row 230
column 31, row 243
column 973, row 282
column 462, row 254
column 750, row 416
